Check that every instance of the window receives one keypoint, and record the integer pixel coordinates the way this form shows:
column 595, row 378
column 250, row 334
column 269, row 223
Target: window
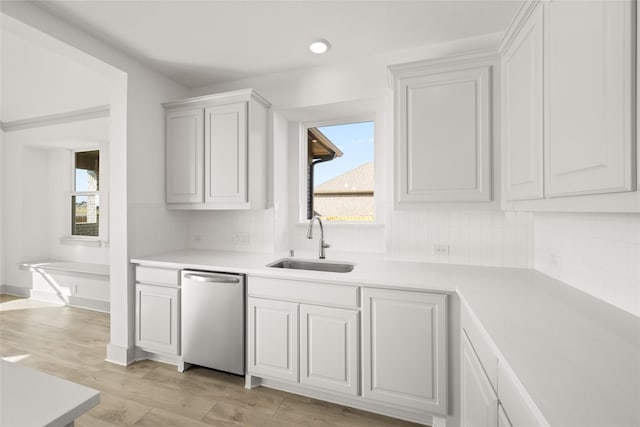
column 85, row 195
column 340, row 173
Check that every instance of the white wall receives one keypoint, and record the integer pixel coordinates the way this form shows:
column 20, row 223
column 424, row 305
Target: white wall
column 25, row 202
column 2, row 233
column 38, row 81
column 152, row 228
column 596, row 253
column 137, row 160
column 37, row 163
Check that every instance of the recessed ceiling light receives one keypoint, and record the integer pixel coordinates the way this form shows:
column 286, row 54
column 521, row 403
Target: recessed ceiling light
column 319, row 46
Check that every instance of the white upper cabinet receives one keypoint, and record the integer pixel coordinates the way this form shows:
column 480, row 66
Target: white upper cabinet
column 522, row 110
column 568, row 113
column 443, row 129
column 185, row 173
column 217, row 151
column 226, row 154
column 589, row 90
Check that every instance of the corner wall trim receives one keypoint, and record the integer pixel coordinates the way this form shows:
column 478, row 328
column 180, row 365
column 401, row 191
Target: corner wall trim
column 56, row 119
column 119, row 355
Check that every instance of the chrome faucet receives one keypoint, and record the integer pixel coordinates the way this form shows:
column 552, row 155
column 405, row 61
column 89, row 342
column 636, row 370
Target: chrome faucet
column 323, row 245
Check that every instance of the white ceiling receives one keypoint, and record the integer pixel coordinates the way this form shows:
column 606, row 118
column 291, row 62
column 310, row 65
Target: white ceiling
column 198, row 43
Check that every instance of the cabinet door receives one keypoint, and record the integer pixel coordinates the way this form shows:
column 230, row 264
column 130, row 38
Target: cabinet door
column 443, row 149
column 503, row 420
column 157, row 318
column 329, row 348
column 273, row 339
column 226, row 161
column 479, row 400
column 589, row 76
column 405, row 349
column 523, row 110
column 185, row 151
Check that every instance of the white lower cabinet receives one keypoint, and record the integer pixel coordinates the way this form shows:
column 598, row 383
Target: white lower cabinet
column 158, row 318
column 491, row 393
column 329, row 348
column 405, row 349
column 375, row 349
column 158, row 310
column 479, row 399
column 273, row 338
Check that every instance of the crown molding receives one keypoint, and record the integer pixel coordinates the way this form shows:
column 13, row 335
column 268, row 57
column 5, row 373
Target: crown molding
column 56, row 119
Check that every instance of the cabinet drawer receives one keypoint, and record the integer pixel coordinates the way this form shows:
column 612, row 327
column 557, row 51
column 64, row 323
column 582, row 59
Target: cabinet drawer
column 481, row 345
column 162, row 276
column 304, row 292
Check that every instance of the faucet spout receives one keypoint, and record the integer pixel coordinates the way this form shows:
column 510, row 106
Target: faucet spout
column 323, row 245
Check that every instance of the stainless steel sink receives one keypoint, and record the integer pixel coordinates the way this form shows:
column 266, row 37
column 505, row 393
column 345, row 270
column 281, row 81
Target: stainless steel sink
column 305, row 264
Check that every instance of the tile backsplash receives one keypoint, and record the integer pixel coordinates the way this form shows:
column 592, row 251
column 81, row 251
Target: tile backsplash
column 242, row 231
column 596, row 253
column 492, row 238
column 145, row 219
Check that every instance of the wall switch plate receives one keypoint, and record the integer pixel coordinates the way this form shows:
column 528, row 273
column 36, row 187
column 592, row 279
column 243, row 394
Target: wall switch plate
column 440, row 249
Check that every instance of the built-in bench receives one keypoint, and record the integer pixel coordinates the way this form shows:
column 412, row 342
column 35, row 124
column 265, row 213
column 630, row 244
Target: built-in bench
column 79, row 284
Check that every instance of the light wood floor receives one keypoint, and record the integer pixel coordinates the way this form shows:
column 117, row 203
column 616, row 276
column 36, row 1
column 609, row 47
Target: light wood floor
column 70, row 343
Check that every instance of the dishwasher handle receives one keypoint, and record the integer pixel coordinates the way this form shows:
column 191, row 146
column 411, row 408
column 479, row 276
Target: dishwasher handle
column 211, row 279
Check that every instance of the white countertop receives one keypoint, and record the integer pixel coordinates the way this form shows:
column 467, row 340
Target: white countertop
column 577, row 357
column 30, row 398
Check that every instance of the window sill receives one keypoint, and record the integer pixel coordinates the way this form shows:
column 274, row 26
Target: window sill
column 94, row 242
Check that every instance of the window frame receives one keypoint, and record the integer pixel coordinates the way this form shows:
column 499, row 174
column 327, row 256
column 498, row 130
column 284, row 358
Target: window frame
column 72, row 193
column 302, row 166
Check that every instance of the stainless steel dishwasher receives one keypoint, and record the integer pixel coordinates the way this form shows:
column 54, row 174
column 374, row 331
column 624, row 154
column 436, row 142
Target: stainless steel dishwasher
column 213, row 320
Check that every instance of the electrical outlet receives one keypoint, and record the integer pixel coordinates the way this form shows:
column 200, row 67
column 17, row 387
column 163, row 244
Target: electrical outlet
column 440, row 249
column 242, row 238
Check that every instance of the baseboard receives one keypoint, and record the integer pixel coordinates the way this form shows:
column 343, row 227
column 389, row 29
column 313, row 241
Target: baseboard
column 119, row 355
column 56, row 298
column 90, row 304
column 141, row 354
column 353, row 401
column 17, row 291
column 170, row 360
